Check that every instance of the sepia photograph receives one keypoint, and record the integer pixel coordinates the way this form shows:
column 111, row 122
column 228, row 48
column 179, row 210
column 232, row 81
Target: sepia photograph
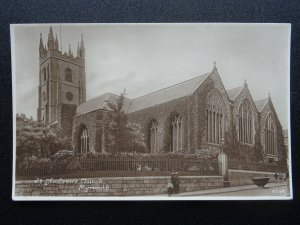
column 161, row 111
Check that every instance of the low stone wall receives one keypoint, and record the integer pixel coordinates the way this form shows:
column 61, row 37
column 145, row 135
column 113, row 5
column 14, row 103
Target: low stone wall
column 117, row 186
column 243, row 177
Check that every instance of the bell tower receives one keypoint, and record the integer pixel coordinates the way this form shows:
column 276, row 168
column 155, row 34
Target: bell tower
column 62, row 81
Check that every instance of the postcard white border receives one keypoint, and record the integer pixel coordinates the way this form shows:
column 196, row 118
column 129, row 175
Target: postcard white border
column 148, row 197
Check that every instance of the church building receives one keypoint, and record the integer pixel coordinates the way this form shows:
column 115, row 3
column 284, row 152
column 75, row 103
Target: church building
column 192, row 115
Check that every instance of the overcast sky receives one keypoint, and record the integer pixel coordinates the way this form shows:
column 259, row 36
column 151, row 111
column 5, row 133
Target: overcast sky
column 147, row 57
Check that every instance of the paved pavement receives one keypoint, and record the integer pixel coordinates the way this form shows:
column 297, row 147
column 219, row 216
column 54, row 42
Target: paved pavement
column 271, row 189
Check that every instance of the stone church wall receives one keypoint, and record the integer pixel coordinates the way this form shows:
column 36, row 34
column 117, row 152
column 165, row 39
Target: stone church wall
column 193, row 111
column 163, row 114
column 115, row 186
column 214, row 83
column 246, row 151
column 269, row 108
column 88, row 121
column 95, row 122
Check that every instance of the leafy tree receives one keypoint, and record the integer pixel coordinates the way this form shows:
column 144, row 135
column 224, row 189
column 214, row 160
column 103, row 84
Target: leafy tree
column 33, row 138
column 124, row 136
column 258, row 148
column 231, row 146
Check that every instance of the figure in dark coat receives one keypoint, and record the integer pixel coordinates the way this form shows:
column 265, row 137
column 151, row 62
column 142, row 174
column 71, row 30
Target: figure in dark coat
column 276, row 176
column 170, row 189
column 175, row 182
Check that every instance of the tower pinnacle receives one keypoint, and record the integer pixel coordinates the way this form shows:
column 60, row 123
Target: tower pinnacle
column 78, row 50
column 41, row 47
column 56, row 43
column 50, row 39
column 82, row 50
column 214, row 66
column 69, row 53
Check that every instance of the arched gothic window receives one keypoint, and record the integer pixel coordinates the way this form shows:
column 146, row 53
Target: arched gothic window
column 84, row 141
column 153, row 137
column 68, row 75
column 177, row 133
column 215, row 118
column 270, row 136
column 245, row 123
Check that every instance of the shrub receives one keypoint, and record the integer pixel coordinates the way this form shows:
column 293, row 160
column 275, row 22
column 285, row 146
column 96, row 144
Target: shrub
column 34, row 163
column 63, row 155
column 203, row 154
column 206, row 154
column 30, row 162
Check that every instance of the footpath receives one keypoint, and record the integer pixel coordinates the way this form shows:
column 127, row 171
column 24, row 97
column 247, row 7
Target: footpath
column 231, row 190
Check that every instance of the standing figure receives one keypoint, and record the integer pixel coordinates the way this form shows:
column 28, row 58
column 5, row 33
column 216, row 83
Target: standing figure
column 173, row 181
column 170, row 188
column 276, row 177
column 281, row 177
column 176, row 183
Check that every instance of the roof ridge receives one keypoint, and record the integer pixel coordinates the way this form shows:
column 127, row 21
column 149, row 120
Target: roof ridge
column 109, row 93
column 93, row 98
column 170, row 86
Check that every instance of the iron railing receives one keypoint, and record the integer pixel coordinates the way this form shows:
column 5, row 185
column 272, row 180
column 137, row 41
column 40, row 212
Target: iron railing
column 119, row 166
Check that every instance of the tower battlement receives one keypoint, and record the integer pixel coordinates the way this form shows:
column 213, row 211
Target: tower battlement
column 52, row 49
column 62, row 79
column 65, row 56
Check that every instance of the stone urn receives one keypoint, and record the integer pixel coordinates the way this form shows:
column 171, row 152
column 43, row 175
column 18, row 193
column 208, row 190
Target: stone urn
column 260, row 181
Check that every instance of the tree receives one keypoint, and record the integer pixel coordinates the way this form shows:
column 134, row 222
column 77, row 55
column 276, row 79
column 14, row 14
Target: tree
column 33, row 138
column 258, row 148
column 124, row 136
column 231, row 146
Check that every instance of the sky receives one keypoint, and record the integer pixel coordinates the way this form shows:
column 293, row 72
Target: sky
column 143, row 58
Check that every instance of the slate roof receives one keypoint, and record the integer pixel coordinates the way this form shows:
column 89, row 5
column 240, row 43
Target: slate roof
column 233, row 93
column 260, row 104
column 99, row 103
column 173, row 92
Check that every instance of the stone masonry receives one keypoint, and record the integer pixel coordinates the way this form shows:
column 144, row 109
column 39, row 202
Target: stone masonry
column 118, row 186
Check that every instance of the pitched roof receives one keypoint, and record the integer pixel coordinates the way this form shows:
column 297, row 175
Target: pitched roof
column 92, row 104
column 233, row 93
column 260, row 104
column 167, row 94
column 99, row 103
column 155, row 98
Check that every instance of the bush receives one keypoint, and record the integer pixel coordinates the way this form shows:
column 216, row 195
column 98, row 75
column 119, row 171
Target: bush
column 34, row 163
column 203, row 154
column 63, row 155
column 206, row 154
column 30, row 162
